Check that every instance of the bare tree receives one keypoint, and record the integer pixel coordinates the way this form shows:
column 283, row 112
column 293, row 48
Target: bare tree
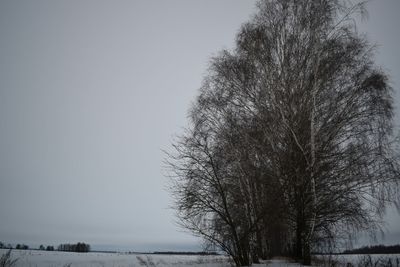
column 205, row 195
column 6, row 260
column 290, row 142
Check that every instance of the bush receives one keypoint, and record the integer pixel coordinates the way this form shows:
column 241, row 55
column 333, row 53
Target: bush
column 6, row 260
column 368, row 261
column 362, row 261
column 148, row 262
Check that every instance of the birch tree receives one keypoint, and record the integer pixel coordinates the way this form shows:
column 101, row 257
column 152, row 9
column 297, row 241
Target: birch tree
column 290, row 135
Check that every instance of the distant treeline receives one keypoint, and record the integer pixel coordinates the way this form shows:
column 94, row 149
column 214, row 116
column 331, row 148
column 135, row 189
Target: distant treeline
column 48, row 248
column 18, row 246
column 78, row 247
column 203, row 253
column 379, row 249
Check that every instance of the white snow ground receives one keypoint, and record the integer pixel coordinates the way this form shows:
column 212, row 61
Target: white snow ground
column 278, row 263
column 36, row 258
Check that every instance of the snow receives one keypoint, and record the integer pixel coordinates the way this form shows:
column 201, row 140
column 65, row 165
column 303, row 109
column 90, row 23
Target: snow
column 33, row 258
column 358, row 259
column 279, row 263
column 36, row 258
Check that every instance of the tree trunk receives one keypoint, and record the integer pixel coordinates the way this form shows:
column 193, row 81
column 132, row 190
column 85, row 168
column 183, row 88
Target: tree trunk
column 299, row 235
column 243, row 259
column 306, row 254
column 299, row 244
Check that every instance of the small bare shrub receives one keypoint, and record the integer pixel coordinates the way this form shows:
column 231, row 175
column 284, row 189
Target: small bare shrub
column 148, row 262
column 326, row 261
column 6, row 260
column 141, row 261
column 368, row 261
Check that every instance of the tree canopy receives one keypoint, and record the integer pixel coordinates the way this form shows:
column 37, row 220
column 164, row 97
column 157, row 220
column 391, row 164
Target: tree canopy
column 289, row 147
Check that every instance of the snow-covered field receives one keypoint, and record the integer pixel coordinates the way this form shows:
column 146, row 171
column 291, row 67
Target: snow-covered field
column 364, row 260
column 36, row 258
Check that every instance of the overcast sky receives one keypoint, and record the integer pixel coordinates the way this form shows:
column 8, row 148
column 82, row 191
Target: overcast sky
column 92, row 91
